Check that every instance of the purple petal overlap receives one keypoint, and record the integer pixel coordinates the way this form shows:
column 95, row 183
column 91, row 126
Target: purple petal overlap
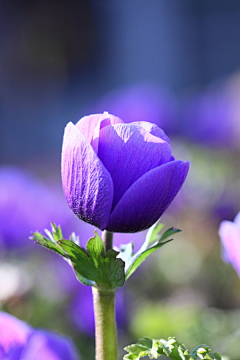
column 90, row 126
column 116, row 176
column 86, row 183
column 152, row 129
column 128, row 152
column 147, row 199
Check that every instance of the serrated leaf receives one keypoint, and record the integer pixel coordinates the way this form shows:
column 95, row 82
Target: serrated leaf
column 115, row 269
column 171, row 348
column 104, row 270
column 153, row 233
column 166, row 347
column 152, row 236
column 142, row 348
column 142, row 257
column 81, row 261
column 84, row 281
column 169, row 233
column 56, row 231
column 95, row 246
column 130, row 357
column 133, row 261
column 48, row 243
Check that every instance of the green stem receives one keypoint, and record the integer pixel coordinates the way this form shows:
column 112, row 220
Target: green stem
column 105, row 325
column 107, row 238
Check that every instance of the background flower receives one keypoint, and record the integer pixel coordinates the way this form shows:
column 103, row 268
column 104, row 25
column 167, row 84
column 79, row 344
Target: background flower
column 229, row 233
column 18, row 341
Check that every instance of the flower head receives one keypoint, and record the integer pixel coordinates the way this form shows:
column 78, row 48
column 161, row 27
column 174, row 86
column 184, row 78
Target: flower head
column 229, row 233
column 116, row 176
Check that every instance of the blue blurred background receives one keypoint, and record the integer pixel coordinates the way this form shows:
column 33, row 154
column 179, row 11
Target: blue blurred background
column 174, row 63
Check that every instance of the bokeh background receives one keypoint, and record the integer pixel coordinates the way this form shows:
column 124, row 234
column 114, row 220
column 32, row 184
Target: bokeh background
column 174, row 63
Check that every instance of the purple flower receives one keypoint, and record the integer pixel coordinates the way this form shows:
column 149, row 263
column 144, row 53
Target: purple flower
column 18, row 341
column 229, row 233
column 211, row 116
column 27, row 204
column 116, row 176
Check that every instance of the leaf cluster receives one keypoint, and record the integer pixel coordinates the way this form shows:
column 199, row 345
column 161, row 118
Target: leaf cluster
column 106, row 270
column 170, row 348
column 93, row 266
column 154, row 240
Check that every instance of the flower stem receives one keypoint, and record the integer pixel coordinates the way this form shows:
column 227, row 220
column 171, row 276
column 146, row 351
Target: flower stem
column 105, row 325
column 107, row 238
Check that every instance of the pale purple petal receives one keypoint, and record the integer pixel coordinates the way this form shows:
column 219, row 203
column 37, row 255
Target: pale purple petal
column 13, row 332
column 147, row 199
column 87, row 184
column 45, row 345
column 229, row 233
column 90, row 126
column 128, row 152
column 152, row 129
column 237, row 220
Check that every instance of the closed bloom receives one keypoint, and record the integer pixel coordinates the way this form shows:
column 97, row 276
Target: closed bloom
column 119, row 177
column 229, row 233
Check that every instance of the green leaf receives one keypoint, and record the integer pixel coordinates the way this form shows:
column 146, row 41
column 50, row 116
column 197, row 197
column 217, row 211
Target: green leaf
column 153, row 233
column 81, row 261
column 133, row 261
column 171, row 348
column 169, row 233
column 153, row 236
column 83, row 280
column 96, row 267
column 50, row 242
column 95, row 246
column 93, row 267
column 141, row 258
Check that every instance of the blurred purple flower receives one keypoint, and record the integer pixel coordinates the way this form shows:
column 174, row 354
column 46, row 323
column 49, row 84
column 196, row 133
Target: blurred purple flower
column 211, row 116
column 142, row 102
column 116, row 176
column 229, row 233
column 18, row 341
column 26, row 205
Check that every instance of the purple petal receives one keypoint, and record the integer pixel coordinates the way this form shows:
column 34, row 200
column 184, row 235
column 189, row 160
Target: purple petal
column 152, row 129
column 229, row 233
column 87, row 184
column 90, row 126
column 128, row 152
column 147, row 199
column 237, row 220
column 45, row 345
column 13, row 332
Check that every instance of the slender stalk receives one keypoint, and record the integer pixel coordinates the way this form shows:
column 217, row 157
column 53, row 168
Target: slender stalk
column 105, row 325
column 107, row 238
